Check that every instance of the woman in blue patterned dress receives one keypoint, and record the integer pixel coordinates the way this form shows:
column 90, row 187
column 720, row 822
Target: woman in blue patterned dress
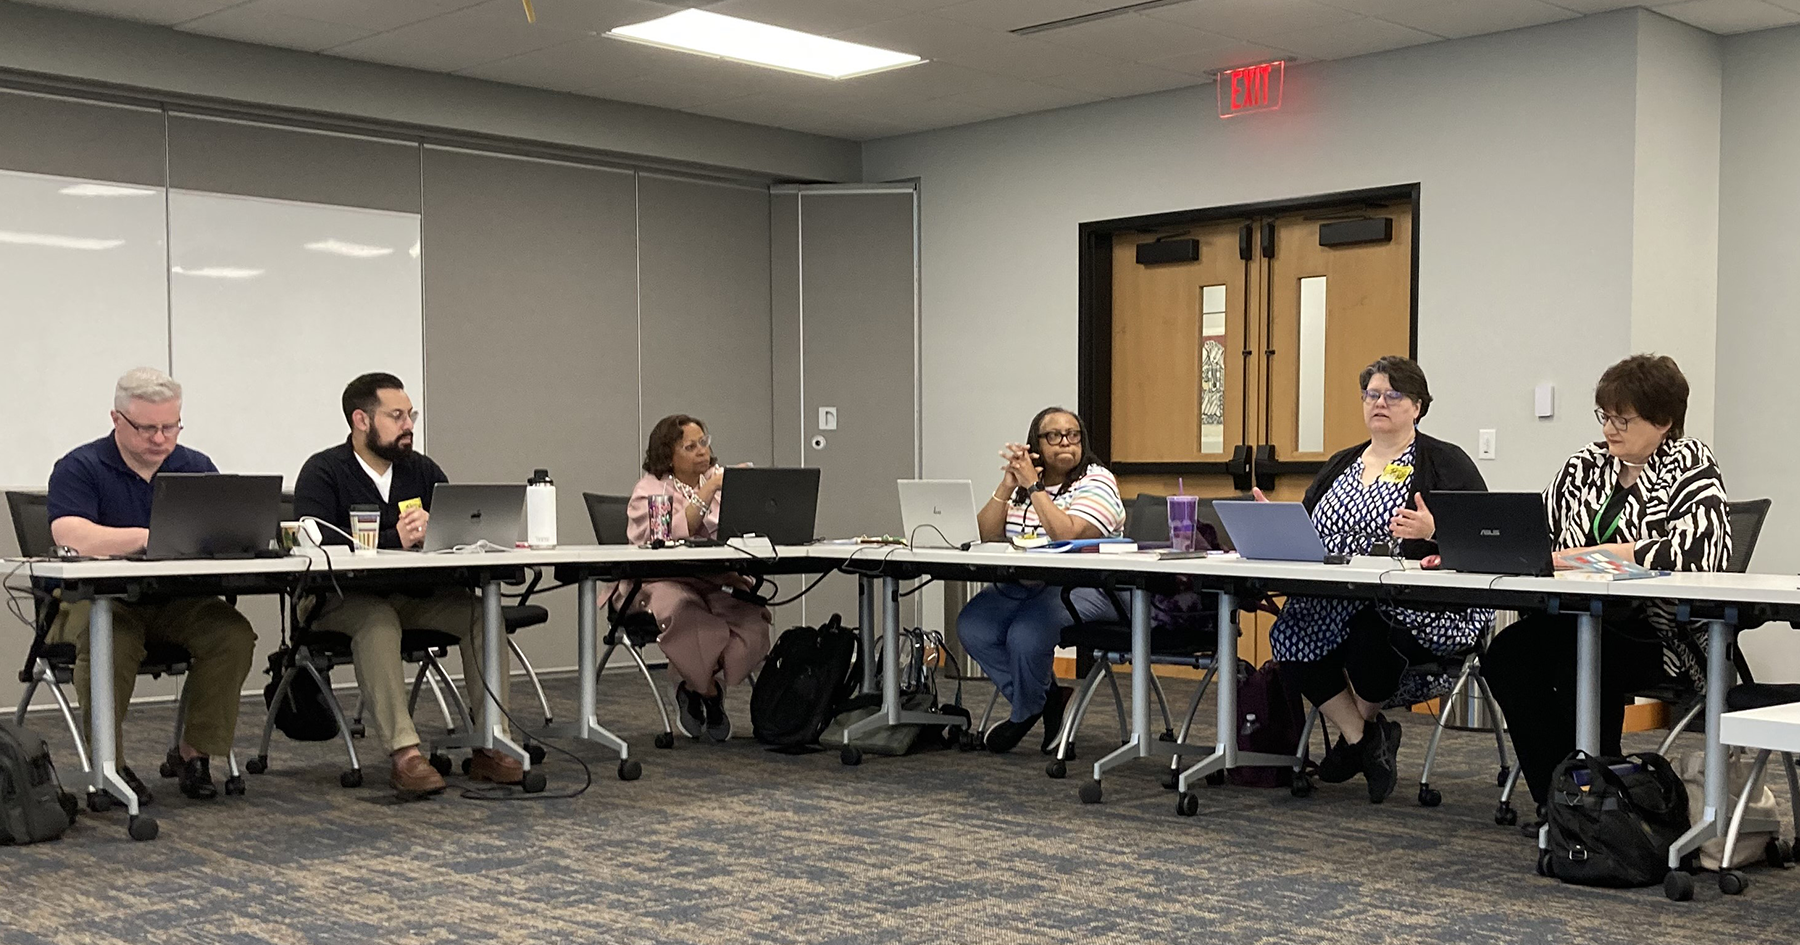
column 1348, row 656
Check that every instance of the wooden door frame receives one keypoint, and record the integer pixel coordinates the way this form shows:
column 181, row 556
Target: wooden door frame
column 1094, row 356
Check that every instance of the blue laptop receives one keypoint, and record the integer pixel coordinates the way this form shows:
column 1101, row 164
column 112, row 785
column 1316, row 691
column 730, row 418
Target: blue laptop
column 1271, row 531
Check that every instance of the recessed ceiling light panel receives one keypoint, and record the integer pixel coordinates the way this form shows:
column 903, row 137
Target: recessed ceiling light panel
column 759, row 44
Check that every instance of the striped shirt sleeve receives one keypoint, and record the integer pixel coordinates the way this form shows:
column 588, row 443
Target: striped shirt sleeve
column 1095, row 498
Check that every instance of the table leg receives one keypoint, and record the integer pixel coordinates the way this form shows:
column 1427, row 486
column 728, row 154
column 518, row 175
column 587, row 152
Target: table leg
column 865, row 626
column 101, row 706
column 588, row 637
column 493, row 644
column 1225, row 752
column 1718, row 678
column 1587, row 682
column 894, row 713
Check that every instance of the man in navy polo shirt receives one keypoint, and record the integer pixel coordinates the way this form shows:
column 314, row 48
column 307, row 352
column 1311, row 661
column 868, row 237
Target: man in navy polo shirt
column 100, row 505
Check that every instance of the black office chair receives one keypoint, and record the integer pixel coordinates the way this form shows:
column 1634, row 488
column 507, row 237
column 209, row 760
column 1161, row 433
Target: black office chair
column 625, row 626
column 52, row 665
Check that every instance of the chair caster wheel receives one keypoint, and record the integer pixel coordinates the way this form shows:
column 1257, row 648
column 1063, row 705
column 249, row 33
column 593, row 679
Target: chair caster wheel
column 257, row 765
column 630, row 770
column 1733, row 882
column 1166, row 736
column 968, row 741
column 1216, row 779
column 850, row 755
column 1504, row 776
column 142, row 828
column 1544, row 869
column 351, row 778
column 665, row 739
column 1505, row 816
column 1301, row 785
column 1090, row 793
column 1187, row 804
column 100, row 802
column 468, row 765
column 1057, row 768
column 169, row 768
column 1168, row 780
column 440, row 762
column 1430, row 796
column 537, row 753
column 234, row 787
column 1777, row 853
column 535, row 781
column 356, row 730
column 1678, row 886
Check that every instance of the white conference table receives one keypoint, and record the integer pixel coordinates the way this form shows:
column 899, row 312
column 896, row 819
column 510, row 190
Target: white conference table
column 1716, row 598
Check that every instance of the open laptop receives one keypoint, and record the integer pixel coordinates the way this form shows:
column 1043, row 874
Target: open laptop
column 1271, row 531
column 781, row 505
column 464, row 513
column 939, row 513
column 1492, row 532
column 213, row 515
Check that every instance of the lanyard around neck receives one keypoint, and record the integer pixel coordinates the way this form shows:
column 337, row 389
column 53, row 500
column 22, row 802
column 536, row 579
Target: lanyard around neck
column 1600, row 537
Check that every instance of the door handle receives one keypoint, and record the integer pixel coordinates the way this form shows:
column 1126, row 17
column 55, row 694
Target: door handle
column 1265, row 467
column 1239, row 467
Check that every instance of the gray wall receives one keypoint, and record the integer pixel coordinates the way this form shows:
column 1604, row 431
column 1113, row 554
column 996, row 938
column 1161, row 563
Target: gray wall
column 57, row 44
column 1759, row 285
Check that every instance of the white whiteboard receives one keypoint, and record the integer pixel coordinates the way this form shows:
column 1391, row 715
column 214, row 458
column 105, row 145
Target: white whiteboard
column 83, row 299
column 274, row 306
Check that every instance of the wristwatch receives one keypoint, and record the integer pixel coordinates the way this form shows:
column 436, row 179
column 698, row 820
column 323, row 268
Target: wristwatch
column 1037, row 487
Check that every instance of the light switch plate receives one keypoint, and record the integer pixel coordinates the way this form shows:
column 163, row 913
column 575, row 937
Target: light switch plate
column 1486, row 448
column 1544, row 400
column 827, row 418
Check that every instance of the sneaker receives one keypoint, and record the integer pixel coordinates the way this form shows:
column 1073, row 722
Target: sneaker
column 716, row 723
column 1342, row 762
column 1381, row 762
column 690, row 711
column 1006, row 736
column 196, row 779
column 1056, row 702
column 137, row 785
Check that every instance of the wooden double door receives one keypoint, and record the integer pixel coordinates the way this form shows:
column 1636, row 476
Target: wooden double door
column 1235, row 364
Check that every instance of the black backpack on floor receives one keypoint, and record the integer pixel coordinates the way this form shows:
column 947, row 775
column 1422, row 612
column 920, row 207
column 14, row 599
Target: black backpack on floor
column 33, row 805
column 305, row 712
column 1612, row 820
column 808, row 675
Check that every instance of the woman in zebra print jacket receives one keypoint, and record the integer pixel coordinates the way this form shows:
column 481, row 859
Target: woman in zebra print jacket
column 1649, row 494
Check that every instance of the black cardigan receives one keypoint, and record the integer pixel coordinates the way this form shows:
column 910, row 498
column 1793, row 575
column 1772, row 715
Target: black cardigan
column 1438, row 466
column 332, row 481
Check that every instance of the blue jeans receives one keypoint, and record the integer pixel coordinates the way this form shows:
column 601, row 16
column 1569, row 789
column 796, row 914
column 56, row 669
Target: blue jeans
column 1012, row 630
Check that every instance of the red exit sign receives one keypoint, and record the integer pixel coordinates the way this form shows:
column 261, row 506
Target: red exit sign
column 1251, row 88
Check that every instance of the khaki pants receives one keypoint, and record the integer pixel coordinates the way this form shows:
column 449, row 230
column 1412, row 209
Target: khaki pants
column 218, row 638
column 373, row 625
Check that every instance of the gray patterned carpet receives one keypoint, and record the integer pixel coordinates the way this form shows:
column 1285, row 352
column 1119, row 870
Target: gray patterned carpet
column 734, row 844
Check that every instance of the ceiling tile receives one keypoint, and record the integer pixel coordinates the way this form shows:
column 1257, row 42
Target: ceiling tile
column 646, row 90
column 1014, row 14
column 1123, row 79
column 1461, row 18
column 963, row 44
column 810, row 15
column 587, row 16
column 569, row 67
column 248, row 23
column 162, row 12
column 1585, row 7
column 372, row 17
column 1016, row 96
column 1355, row 38
column 1206, row 62
column 780, row 112
column 1133, row 38
column 1383, row 8
column 1787, row 4
column 1244, row 19
column 459, row 40
column 1729, row 16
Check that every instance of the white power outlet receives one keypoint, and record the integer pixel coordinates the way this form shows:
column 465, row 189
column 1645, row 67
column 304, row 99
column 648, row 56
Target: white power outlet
column 1485, row 449
column 827, row 418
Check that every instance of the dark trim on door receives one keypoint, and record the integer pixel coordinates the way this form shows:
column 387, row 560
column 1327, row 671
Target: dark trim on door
column 1094, row 329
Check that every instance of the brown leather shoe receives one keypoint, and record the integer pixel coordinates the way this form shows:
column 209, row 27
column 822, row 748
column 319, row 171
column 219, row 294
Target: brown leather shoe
column 493, row 766
column 416, row 776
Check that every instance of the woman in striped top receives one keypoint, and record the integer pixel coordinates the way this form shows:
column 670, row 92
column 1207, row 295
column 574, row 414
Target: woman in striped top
column 1049, row 485
column 1647, row 494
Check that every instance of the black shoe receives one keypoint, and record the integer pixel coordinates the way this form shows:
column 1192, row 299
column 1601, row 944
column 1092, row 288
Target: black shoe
column 196, row 779
column 690, row 711
column 717, row 723
column 1381, row 762
column 137, row 786
column 1056, row 702
column 1006, row 736
column 1342, row 762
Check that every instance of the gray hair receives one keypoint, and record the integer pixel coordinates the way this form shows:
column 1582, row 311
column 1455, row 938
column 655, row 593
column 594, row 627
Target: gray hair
column 146, row 384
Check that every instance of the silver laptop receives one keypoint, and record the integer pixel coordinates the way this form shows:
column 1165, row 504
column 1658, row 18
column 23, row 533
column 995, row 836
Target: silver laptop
column 463, row 514
column 1272, row 531
column 938, row 513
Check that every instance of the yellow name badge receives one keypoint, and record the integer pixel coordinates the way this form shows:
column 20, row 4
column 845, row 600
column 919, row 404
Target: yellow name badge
column 407, row 505
column 1396, row 474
